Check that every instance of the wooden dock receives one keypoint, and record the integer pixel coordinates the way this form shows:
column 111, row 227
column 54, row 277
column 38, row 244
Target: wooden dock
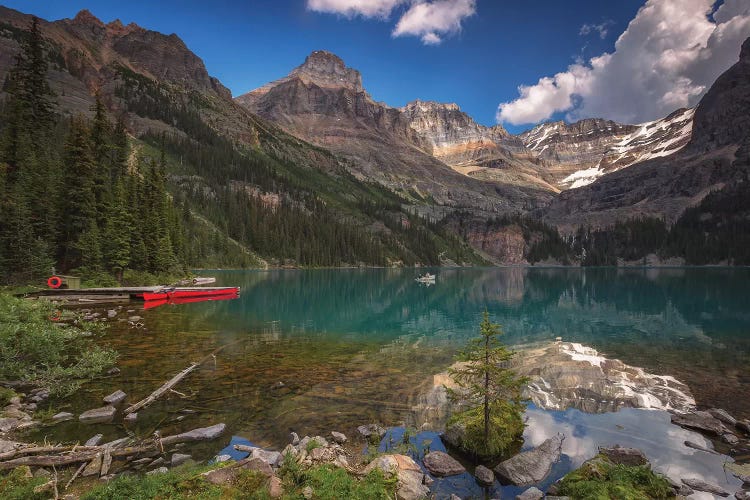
column 93, row 295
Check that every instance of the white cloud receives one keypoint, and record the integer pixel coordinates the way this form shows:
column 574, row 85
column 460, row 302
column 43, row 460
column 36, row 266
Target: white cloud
column 431, row 19
column 668, row 56
column 602, row 28
column 351, row 8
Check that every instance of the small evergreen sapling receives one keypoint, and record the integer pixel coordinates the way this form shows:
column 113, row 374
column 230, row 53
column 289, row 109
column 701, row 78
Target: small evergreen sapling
column 492, row 392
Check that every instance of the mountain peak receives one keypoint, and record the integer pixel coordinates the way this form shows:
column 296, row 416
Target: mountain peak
column 421, row 105
column 745, row 51
column 326, row 69
column 86, row 17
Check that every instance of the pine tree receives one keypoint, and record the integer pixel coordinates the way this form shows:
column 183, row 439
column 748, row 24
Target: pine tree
column 117, row 233
column 101, row 150
column 79, row 201
column 492, row 392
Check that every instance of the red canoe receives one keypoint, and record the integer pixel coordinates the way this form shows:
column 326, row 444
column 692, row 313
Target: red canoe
column 189, row 293
column 156, row 303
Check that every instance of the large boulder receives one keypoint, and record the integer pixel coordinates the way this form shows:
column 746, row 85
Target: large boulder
column 104, row 414
column 531, row 467
column 440, row 463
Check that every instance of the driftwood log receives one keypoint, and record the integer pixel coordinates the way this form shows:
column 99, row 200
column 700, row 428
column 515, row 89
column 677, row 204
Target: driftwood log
column 54, row 456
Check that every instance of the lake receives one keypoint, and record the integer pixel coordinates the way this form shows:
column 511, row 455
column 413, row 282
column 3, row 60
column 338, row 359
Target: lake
column 320, row 350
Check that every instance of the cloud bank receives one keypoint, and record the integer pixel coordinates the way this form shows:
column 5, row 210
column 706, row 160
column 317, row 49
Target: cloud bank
column 431, row 20
column 669, row 55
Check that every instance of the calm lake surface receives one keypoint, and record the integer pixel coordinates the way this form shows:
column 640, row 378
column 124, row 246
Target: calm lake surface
column 320, row 350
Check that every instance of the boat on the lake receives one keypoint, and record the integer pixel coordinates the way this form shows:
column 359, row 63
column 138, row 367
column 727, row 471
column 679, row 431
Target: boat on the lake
column 426, row 278
column 189, row 292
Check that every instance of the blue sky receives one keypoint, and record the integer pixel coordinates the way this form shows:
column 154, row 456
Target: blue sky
column 502, row 45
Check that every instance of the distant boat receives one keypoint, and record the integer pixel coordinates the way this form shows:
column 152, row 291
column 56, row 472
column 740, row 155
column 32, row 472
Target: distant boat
column 189, row 293
column 426, row 278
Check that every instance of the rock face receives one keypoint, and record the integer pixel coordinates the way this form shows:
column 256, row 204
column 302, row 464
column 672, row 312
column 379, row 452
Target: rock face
column 577, row 154
column 571, row 375
column 440, row 463
column 323, row 101
column 531, row 467
column 487, row 153
column 717, row 154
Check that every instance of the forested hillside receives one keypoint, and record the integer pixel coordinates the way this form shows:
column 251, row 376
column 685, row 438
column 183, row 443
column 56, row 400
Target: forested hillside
column 98, row 194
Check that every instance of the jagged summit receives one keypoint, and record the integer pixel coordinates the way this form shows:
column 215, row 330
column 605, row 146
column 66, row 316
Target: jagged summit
column 326, row 69
column 86, row 17
column 421, row 105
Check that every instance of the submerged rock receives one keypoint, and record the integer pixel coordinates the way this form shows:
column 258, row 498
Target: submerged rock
column 62, row 417
column 440, row 463
column 531, row 467
column 115, row 398
column 98, row 415
column 94, row 440
column 203, row 433
column 371, row 431
column 484, row 475
column 701, row 485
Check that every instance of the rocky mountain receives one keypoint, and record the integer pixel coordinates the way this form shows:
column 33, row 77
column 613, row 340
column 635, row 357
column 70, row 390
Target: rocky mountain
column 323, row 101
column 486, row 153
column 717, row 154
column 243, row 176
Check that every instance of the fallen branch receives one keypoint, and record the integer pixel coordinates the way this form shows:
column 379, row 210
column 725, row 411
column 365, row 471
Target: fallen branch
column 75, row 475
column 160, row 391
column 166, row 387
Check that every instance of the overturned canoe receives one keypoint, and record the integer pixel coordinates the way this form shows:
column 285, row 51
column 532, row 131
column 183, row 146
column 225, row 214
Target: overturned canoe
column 189, row 293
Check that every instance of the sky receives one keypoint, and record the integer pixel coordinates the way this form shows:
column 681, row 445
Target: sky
column 517, row 63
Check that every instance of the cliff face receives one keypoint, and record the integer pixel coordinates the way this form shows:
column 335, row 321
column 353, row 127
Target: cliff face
column 717, row 154
column 324, row 102
column 487, row 153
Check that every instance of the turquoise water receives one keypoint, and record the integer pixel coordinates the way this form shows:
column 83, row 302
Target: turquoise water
column 320, row 350
column 693, row 323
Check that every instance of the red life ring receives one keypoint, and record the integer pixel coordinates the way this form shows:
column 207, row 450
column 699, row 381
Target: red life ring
column 54, row 282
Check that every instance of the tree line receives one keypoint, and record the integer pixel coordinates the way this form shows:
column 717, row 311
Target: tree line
column 71, row 197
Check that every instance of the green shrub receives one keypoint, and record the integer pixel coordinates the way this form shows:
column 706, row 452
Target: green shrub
column 505, row 430
column 6, row 395
column 175, row 484
column 19, row 485
column 601, row 479
column 332, row 483
column 58, row 357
